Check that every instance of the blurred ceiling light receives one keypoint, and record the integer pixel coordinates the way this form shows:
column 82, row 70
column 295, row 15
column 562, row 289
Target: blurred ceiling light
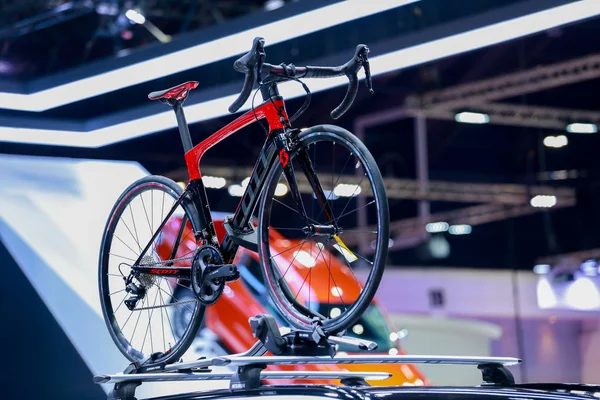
column 346, row 190
column 462, row 229
column 434, row 227
column 582, row 295
column 245, row 182
column 273, row 4
column 236, row 190
column 393, row 351
column 579, row 127
column 468, row 117
column 197, row 56
column 214, row 182
column 393, row 336
column 135, row 17
column 543, row 201
column 589, row 268
column 337, row 291
column 335, row 312
column 546, row 297
column 556, row 141
column 281, row 189
column 305, row 259
column 541, row 269
column 358, row 329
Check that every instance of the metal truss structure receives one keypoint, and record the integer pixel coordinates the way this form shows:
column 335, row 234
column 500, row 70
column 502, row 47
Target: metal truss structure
column 500, row 201
column 510, row 85
column 461, row 192
column 481, row 96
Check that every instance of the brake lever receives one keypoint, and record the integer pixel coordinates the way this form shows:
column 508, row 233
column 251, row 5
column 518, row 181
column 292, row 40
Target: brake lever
column 260, row 52
column 368, row 80
column 363, row 59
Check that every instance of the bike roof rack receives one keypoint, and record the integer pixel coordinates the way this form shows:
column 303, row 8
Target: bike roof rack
column 291, row 348
column 249, row 370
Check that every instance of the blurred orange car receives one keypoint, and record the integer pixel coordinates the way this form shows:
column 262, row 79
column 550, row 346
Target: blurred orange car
column 248, row 297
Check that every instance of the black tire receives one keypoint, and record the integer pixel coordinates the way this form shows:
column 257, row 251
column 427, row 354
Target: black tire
column 273, row 211
column 163, row 287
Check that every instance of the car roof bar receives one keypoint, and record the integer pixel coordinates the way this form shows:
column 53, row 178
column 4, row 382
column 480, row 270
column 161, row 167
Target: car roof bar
column 223, row 376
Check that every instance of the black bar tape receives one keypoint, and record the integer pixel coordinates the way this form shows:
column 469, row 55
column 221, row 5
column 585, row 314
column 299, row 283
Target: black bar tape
column 245, row 93
column 348, row 99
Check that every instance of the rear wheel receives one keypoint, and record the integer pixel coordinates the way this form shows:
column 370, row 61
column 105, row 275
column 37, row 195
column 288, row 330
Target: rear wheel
column 329, row 264
column 151, row 326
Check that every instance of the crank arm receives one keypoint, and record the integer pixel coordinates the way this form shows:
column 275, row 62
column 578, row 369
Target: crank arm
column 229, row 272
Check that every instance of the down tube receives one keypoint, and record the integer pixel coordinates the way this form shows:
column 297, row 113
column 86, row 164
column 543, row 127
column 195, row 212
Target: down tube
column 246, row 206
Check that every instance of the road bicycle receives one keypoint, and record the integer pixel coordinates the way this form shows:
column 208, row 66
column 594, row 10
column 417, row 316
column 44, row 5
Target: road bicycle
column 309, row 185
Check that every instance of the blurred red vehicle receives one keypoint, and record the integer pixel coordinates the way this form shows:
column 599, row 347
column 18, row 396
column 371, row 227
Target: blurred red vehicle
column 247, row 297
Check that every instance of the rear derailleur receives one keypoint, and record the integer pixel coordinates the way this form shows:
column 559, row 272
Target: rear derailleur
column 209, row 274
column 136, row 291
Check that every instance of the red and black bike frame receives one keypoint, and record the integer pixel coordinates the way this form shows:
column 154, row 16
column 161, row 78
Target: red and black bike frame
column 276, row 148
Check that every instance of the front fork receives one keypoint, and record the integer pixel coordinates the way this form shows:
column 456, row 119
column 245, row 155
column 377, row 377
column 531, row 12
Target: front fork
column 285, row 145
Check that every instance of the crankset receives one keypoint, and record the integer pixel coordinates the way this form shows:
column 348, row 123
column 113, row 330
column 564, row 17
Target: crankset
column 209, row 274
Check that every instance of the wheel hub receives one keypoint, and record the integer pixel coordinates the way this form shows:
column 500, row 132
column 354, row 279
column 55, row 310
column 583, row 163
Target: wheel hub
column 322, row 230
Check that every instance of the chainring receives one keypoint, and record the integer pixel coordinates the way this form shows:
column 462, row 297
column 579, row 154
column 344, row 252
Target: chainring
column 207, row 291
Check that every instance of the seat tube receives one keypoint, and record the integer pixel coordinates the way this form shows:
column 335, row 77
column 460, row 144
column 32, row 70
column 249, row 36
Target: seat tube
column 184, row 131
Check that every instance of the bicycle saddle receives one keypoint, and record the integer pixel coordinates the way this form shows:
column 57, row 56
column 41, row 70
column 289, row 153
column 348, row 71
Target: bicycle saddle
column 178, row 92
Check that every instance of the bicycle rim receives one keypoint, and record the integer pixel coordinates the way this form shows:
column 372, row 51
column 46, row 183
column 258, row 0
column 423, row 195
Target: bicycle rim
column 334, row 275
column 154, row 326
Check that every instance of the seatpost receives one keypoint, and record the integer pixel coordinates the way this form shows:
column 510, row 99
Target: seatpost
column 184, row 131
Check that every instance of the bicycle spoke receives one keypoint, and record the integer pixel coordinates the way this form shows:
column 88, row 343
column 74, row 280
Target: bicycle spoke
column 149, row 325
column 129, row 230
column 309, row 272
column 118, row 291
column 296, row 211
column 352, row 195
column 146, row 212
column 168, row 318
column 133, row 251
column 356, row 209
column 138, row 320
column 125, row 258
column 173, row 297
column 335, row 183
column 291, row 248
column 133, row 220
column 332, row 278
column 119, row 306
column 162, row 323
column 359, row 256
column 293, row 259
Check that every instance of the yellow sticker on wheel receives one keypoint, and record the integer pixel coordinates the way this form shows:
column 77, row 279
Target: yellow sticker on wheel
column 342, row 248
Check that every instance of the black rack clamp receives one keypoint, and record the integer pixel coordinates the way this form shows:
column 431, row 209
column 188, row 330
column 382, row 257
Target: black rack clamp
column 124, row 391
column 496, row 374
column 246, row 377
column 295, row 343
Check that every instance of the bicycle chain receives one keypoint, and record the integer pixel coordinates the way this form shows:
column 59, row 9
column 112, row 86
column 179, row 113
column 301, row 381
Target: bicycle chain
column 174, row 260
column 165, row 305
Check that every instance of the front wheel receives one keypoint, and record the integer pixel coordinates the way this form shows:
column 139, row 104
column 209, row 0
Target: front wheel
column 324, row 256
